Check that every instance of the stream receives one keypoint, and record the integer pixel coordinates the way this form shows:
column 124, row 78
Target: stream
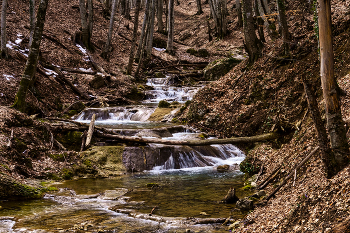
column 181, row 187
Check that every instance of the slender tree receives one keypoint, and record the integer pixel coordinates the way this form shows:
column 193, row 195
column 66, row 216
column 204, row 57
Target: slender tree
column 170, row 43
column 260, row 21
column 86, row 22
column 239, row 13
column 32, row 20
column 107, row 48
column 199, row 7
column 252, row 44
column 160, row 15
column 335, row 124
column 133, row 43
column 265, row 14
column 3, row 29
column 30, row 67
column 150, row 31
column 143, row 30
column 281, row 7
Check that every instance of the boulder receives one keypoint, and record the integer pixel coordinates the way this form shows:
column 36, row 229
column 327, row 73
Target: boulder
column 245, row 204
column 223, row 168
column 230, row 197
column 97, row 82
column 219, row 68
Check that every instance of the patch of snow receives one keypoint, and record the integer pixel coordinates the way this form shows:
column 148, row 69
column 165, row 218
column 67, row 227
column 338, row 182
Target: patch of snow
column 10, row 45
column 50, row 72
column 86, row 70
column 159, row 49
column 81, row 48
column 1, row 94
column 18, row 41
column 8, row 77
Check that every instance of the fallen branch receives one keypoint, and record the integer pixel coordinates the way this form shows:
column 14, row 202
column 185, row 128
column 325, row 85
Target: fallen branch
column 290, row 175
column 210, row 220
column 76, row 71
column 270, row 177
column 258, row 138
column 91, row 131
column 153, row 210
column 9, row 144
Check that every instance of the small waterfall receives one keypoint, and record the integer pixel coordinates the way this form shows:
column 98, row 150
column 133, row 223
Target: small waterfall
column 116, row 114
column 163, row 90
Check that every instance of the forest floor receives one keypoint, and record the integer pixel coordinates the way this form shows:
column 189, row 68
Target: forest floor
column 245, row 102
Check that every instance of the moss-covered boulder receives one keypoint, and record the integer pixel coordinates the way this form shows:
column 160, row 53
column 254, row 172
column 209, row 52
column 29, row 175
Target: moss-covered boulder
column 219, row 68
column 107, row 160
column 13, row 189
column 136, row 94
column 71, row 140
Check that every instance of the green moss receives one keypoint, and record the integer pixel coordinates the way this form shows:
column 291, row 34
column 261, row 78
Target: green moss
column 67, row 174
column 163, row 104
column 72, row 112
column 191, row 51
column 5, row 166
column 187, row 103
column 183, row 108
column 247, row 187
column 203, row 53
column 58, row 157
column 87, row 163
column 71, row 140
column 174, row 120
column 135, row 94
column 152, row 185
column 53, row 176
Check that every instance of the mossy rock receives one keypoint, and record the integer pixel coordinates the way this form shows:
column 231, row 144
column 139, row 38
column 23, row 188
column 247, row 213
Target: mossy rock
column 203, row 53
column 159, row 75
column 250, row 166
column 71, row 140
column 219, row 68
column 163, row 104
column 136, row 94
column 106, row 160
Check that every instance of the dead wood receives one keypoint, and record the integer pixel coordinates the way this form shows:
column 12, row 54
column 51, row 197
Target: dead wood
column 210, row 220
column 258, row 138
column 153, row 210
column 9, row 144
column 97, row 66
column 90, row 131
column 65, row 80
column 76, row 71
column 290, row 175
column 59, row 145
column 184, row 65
column 270, row 177
column 83, row 141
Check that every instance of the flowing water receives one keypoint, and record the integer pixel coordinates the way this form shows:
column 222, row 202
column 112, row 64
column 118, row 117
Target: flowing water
column 184, row 186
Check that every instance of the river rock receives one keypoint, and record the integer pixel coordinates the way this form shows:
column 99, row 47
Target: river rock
column 97, row 82
column 223, row 168
column 234, row 225
column 114, row 194
column 245, row 204
column 231, row 196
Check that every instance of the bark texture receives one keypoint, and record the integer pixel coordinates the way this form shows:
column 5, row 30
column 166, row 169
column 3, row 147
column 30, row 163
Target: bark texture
column 170, row 43
column 133, row 42
column 3, row 29
column 30, row 67
column 335, row 124
column 107, row 48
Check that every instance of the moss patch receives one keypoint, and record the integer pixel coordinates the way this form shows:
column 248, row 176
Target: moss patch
column 71, row 140
column 159, row 114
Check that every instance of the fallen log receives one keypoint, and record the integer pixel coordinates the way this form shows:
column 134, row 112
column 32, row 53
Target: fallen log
column 76, row 71
column 290, row 175
column 258, row 138
column 91, row 131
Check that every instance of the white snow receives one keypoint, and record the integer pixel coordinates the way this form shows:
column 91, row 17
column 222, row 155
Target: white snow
column 8, row 77
column 159, row 49
column 18, row 41
column 86, row 70
column 50, row 72
column 81, row 48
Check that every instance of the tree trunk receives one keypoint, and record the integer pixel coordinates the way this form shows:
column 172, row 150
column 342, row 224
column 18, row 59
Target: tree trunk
column 85, row 32
column 170, row 43
column 252, row 44
column 335, row 124
column 265, row 12
column 107, row 49
column 239, row 13
column 143, row 30
column 32, row 20
column 3, row 29
column 281, row 7
column 90, row 17
column 133, row 43
column 160, row 15
column 199, row 7
column 150, row 32
column 30, row 67
column 260, row 22
column 258, row 138
column 327, row 154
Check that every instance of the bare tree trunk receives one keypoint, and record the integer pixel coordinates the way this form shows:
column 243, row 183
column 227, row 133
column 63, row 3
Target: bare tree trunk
column 335, row 124
column 170, row 46
column 32, row 20
column 199, row 7
column 151, row 31
column 265, row 12
column 143, row 31
column 3, row 29
column 30, row 68
column 281, row 7
column 239, row 13
column 133, row 42
column 90, row 17
column 252, row 44
column 160, row 15
column 260, row 22
column 85, row 32
column 166, row 15
column 219, row 11
column 107, row 48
